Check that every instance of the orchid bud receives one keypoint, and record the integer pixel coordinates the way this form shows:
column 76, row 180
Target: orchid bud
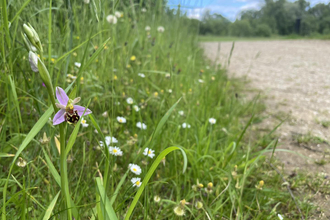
column 32, row 36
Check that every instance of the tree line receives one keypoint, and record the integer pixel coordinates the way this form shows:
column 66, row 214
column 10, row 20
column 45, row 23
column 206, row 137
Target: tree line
column 276, row 17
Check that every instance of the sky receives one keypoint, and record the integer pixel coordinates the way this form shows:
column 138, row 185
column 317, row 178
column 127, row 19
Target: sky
column 228, row 8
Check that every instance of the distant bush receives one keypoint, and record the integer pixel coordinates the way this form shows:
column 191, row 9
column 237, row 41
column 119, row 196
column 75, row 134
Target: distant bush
column 263, row 30
column 241, row 28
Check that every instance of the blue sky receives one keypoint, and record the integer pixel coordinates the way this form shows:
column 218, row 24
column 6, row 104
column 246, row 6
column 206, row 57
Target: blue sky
column 228, row 8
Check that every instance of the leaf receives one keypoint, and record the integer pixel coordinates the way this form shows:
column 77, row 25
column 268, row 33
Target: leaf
column 52, row 168
column 51, row 207
column 149, row 174
column 6, row 155
column 13, row 89
column 164, row 119
column 110, row 212
column 58, row 145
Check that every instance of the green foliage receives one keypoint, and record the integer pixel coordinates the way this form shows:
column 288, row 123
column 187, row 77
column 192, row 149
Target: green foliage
column 117, row 62
column 263, row 30
column 241, row 28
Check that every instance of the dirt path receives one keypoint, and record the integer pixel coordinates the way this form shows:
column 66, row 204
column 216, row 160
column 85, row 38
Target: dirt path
column 295, row 77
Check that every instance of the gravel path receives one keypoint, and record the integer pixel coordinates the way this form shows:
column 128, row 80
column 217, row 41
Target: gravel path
column 295, row 77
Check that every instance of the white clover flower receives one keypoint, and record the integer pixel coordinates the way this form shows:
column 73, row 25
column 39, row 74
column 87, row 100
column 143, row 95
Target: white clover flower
column 212, row 121
column 148, row 152
column 144, row 10
column 115, row 151
column 83, row 123
column 129, row 100
column 147, row 28
column 135, row 168
column 201, row 81
column 121, row 120
column 77, row 64
column 141, row 125
column 181, row 113
column 112, row 19
column 136, row 108
column 185, row 125
column 160, row 29
column 141, row 75
column 118, row 14
column 136, row 181
column 170, row 91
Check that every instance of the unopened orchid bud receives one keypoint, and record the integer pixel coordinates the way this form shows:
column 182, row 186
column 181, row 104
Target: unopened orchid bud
column 32, row 36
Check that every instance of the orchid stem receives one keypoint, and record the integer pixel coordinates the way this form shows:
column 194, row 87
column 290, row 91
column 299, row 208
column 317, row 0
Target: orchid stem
column 64, row 172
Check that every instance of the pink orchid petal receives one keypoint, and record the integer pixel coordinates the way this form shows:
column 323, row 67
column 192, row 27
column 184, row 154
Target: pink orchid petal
column 61, row 96
column 81, row 110
column 59, row 117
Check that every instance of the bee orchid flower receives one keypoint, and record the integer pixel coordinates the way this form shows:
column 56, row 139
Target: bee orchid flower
column 69, row 111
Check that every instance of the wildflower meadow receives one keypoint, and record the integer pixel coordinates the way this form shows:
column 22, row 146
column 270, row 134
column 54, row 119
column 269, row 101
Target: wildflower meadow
column 110, row 111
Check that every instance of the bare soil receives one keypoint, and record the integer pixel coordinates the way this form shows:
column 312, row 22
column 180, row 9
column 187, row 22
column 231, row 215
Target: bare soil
column 294, row 77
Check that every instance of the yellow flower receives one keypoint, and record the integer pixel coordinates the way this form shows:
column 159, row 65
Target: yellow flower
column 77, row 37
column 260, row 185
column 133, row 58
column 162, row 91
column 156, row 94
column 128, row 66
column 81, row 78
column 115, row 77
column 53, row 60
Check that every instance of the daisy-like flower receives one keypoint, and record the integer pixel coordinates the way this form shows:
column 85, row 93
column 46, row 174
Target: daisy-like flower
column 201, row 81
column 185, row 125
column 121, row 120
column 212, row 121
column 136, row 181
column 160, row 29
column 136, row 169
column 148, row 152
column 144, row 10
column 110, row 140
column 141, row 75
column 181, row 113
column 170, row 91
column 136, row 108
column 115, row 151
column 129, row 100
column 118, row 14
column 112, row 19
column 147, row 28
column 141, row 125
column 133, row 58
column 68, row 112
column 77, row 64
column 83, row 123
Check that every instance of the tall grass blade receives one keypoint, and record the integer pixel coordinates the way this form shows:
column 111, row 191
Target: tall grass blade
column 51, row 207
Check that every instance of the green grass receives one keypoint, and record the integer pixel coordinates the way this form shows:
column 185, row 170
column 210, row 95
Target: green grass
column 85, row 180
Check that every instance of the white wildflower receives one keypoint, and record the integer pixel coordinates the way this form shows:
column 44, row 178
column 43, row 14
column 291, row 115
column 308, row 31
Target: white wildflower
column 129, row 100
column 141, row 75
column 160, row 29
column 136, row 108
column 115, row 151
column 148, row 152
column 136, row 181
column 118, row 14
column 136, row 169
column 181, row 113
column 121, row 120
column 112, row 19
column 212, row 121
column 185, row 125
column 141, row 125
column 83, row 123
column 147, row 28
